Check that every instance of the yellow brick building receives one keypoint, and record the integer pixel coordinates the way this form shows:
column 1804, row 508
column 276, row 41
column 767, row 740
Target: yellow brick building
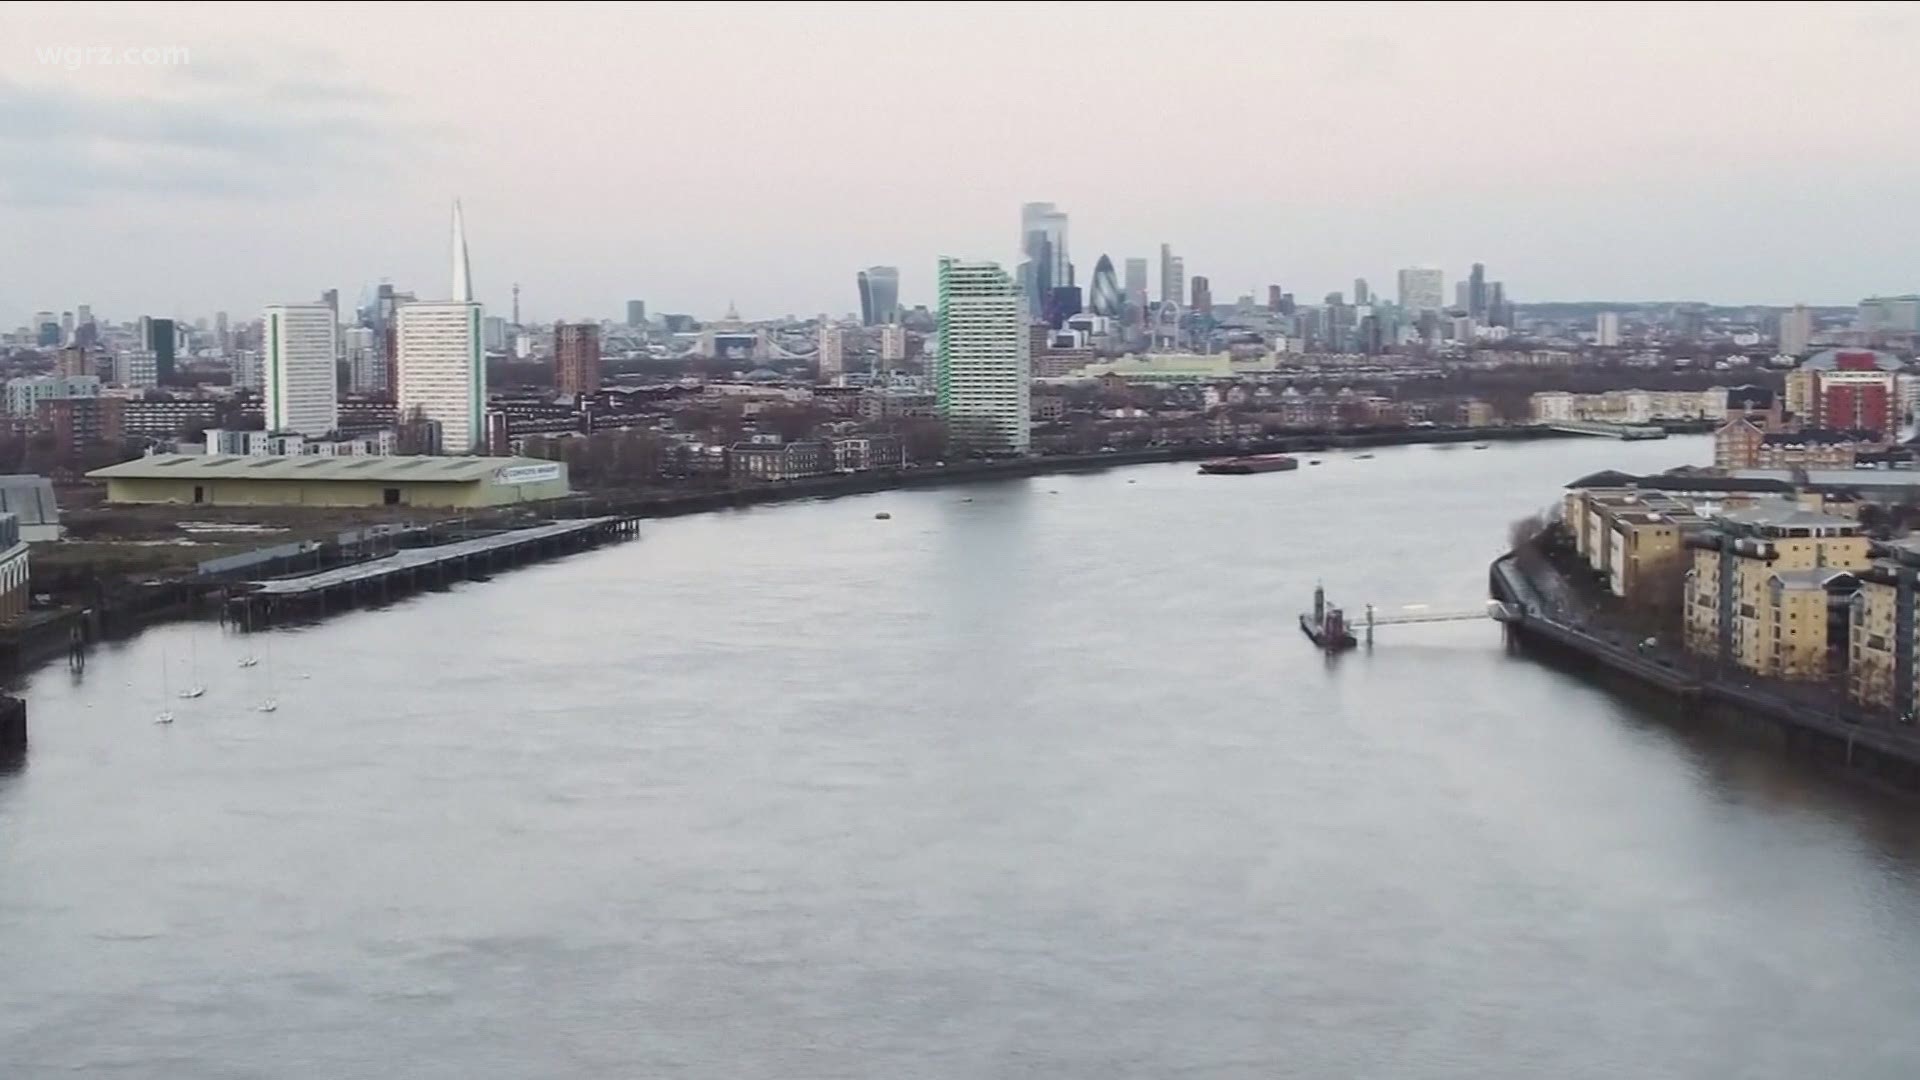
column 1873, row 648
column 1771, row 589
column 1629, row 536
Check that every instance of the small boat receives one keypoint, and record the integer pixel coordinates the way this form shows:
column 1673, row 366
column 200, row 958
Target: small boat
column 1248, row 465
column 249, row 661
column 1481, row 445
column 164, row 717
column 268, row 705
column 1313, row 461
column 192, row 692
column 1363, row 457
column 883, row 516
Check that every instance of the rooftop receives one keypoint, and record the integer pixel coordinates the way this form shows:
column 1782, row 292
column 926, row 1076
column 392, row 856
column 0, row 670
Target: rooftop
column 1785, row 514
column 1833, row 359
column 451, row 470
column 1808, row 579
column 1817, row 438
column 1835, row 478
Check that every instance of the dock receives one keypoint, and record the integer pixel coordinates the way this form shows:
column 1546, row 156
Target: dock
column 409, row 570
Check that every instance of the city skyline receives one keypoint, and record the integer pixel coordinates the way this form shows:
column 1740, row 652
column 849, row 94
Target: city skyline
column 260, row 171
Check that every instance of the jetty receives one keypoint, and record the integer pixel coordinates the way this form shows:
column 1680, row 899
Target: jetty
column 408, row 570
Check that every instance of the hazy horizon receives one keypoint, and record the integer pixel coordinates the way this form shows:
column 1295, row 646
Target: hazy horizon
column 762, row 154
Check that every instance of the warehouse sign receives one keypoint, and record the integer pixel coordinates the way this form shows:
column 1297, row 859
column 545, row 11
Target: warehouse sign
column 512, row 475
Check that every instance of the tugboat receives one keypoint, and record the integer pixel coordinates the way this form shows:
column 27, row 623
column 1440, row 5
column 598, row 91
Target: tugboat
column 1326, row 626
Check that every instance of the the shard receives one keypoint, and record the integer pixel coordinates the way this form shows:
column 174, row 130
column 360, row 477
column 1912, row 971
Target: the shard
column 462, row 276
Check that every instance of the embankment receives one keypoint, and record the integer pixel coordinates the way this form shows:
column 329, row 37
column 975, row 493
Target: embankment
column 1866, row 745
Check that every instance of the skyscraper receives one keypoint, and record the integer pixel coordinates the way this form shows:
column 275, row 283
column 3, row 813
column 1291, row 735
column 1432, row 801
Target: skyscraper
column 1477, row 292
column 1043, row 242
column 1422, row 288
column 1202, row 295
column 1362, row 296
column 636, row 313
column 1273, row 298
column 462, row 273
column 576, row 359
column 442, row 373
column 1104, row 298
column 1173, row 277
column 160, row 339
column 879, row 295
column 981, row 374
column 301, row 347
column 1136, row 284
column 366, row 365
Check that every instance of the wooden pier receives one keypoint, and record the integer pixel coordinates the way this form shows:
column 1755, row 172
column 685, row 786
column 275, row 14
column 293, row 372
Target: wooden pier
column 410, row 570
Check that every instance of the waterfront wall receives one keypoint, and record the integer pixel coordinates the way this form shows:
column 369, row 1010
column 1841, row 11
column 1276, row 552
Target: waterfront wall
column 1885, row 754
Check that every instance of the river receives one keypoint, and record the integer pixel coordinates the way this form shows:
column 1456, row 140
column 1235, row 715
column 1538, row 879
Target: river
column 1036, row 779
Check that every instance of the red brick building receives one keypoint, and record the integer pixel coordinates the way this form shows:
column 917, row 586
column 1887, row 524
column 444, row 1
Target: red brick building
column 1855, row 390
column 576, row 359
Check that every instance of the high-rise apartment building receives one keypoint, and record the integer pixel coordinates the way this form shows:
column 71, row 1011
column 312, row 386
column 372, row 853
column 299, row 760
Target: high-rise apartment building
column 1422, row 288
column 1202, row 295
column 135, row 368
column 576, row 359
column 1477, row 293
column 1362, row 295
column 833, row 349
column 1796, row 330
column 893, row 343
column 1606, row 329
column 366, row 361
column 301, row 349
column 441, row 370
column 879, row 295
column 981, row 374
column 636, row 313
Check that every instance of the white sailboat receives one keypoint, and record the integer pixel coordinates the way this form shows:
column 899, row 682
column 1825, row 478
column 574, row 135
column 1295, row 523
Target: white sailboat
column 194, row 688
column 269, row 703
column 164, row 716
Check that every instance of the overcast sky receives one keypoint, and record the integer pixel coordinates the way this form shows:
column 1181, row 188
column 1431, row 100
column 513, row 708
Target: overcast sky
column 764, row 152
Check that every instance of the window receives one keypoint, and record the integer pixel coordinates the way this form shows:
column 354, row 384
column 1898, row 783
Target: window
column 390, row 497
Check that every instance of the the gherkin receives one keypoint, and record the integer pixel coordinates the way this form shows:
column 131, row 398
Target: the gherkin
column 1105, row 296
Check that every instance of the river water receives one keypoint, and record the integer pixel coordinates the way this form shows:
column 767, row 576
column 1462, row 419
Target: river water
column 1035, row 779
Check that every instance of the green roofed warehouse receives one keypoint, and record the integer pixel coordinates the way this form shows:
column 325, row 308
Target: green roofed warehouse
column 313, row 480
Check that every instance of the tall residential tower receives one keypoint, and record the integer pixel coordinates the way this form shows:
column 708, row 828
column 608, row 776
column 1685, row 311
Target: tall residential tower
column 982, row 371
column 302, row 357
